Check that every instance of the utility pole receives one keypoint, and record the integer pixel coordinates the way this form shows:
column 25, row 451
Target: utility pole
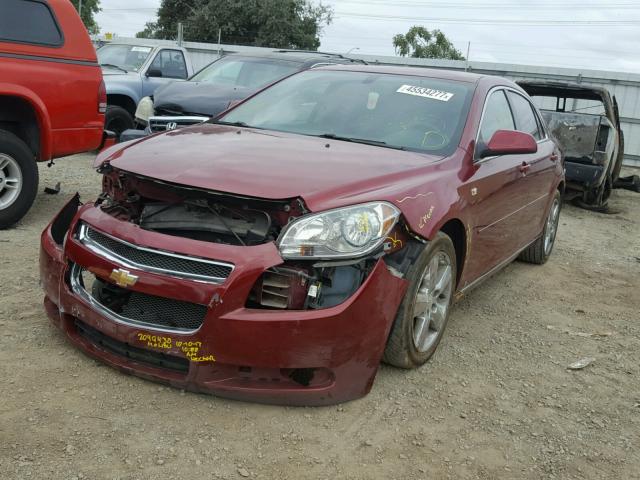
column 180, row 33
column 466, row 68
column 219, row 38
column 80, row 9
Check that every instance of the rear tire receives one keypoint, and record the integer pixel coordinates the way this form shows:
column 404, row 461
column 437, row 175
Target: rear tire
column 18, row 179
column 596, row 199
column 117, row 119
column 417, row 331
column 540, row 250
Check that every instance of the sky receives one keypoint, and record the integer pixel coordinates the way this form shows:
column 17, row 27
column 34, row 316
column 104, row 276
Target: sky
column 595, row 34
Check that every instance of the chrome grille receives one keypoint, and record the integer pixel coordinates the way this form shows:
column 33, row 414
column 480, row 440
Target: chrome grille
column 136, row 308
column 161, row 124
column 151, row 260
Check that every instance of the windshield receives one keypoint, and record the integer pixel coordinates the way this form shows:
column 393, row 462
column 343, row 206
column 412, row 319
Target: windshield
column 126, row 57
column 410, row 112
column 245, row 72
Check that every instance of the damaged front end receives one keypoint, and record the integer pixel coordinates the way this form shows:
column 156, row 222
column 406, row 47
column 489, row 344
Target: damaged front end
column 307, row 279
column 284, row 305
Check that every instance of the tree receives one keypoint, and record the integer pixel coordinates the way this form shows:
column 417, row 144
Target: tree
column 263, row 23
column 422, row 43
column 89, row 9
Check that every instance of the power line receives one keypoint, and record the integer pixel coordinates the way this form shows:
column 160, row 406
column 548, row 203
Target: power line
column 138, row 9
column 511, row 46
column 501, row 6
column 507, row 22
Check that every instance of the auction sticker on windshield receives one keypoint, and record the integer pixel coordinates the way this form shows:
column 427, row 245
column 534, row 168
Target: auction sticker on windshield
column 425, row 92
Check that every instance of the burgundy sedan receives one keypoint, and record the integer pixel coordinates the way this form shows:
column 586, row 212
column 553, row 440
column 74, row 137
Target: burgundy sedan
column 280, row 251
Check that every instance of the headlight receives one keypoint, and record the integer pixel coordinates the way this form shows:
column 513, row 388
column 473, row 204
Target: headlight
column 144, row 109
column 344, row 232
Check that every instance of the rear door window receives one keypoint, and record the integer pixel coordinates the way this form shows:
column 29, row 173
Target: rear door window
column 497, row 116
column 525, row 117
column 28, row 21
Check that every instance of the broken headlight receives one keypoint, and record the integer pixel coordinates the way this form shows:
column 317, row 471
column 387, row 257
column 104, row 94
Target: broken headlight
column 344, row 232
column 144, row 109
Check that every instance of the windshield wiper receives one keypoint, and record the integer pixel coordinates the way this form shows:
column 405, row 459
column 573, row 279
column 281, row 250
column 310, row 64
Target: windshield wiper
column 233, row 124
column 111, row 65
column 377, row 143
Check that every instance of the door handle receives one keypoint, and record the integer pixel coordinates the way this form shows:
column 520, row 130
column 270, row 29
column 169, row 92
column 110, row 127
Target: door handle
column 524, row 168
column 553, row 157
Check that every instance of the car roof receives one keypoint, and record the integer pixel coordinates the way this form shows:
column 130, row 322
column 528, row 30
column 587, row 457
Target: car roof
column 417, row 72
column 298, row 56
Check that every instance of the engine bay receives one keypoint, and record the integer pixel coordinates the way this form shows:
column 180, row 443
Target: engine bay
column 233, row 220
column 191, row 213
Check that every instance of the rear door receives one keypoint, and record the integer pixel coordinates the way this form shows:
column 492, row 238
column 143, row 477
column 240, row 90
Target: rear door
column 538, row 169
column 496, row 194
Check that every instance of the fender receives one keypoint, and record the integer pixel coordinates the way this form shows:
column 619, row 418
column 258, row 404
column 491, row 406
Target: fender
column 42, row 115
column 124, row 86
column 427, row 211
column 431, row 202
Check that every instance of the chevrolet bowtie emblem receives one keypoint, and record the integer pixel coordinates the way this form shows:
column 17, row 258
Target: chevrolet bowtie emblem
column 123, row 278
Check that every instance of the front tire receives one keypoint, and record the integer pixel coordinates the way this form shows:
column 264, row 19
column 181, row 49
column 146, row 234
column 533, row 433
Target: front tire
column 540, row 250
column 117, row 120
column 18, row 179
column 424, row 311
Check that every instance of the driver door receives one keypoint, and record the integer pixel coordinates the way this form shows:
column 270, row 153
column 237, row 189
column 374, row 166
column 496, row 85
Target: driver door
column 496, row 195
column 167, row 66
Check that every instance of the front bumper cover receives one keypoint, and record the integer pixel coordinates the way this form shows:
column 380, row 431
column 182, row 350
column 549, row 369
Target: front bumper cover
column 310, row 357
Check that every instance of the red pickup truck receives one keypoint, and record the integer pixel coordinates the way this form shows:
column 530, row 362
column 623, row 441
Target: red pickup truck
column 52, row 96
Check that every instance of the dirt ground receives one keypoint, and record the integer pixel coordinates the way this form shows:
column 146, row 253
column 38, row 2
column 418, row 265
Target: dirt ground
column 496, row 401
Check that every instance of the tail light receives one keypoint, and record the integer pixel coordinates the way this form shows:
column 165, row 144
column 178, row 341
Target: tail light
column 102, row 98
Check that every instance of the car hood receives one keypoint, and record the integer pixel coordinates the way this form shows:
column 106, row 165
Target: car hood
column 274, row 165
column 114, row 72
column 203, row 98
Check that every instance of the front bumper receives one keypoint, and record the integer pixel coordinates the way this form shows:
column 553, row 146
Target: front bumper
column 309, row 357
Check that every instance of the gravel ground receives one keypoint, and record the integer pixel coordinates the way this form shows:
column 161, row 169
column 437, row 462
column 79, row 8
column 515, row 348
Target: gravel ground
column 496, row 401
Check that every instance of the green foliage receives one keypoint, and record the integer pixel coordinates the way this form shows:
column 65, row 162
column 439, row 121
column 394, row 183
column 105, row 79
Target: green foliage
column 264, row 23
column 422, row 43
column 89, row 9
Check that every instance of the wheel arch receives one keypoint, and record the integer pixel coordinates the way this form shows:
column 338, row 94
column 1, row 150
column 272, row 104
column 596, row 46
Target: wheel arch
column 454, row 228
column 122, row 100
column 561, row 187
column 456, row 231
column 27, row 117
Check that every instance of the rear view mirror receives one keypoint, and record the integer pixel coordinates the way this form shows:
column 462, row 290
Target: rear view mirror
column 154, row 72
column 509, row 142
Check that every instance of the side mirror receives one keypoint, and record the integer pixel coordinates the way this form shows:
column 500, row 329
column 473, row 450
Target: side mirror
column 509, row 142
column 154, row 72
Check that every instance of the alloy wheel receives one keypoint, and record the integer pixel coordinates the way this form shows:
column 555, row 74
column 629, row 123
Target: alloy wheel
column 10, row 180
column 551, row 227
column 432, row 302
